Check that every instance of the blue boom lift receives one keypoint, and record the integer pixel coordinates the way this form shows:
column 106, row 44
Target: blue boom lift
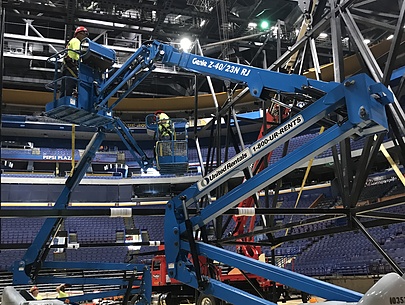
column 171, row 151
column 359, row 101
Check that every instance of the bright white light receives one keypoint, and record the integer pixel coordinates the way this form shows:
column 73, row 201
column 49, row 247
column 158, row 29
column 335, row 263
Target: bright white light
column 185, row 44
column 366, row 41
column 323, row 35
column 390, row 37
column 252, row 25
column 202, row 23
column 150, row 172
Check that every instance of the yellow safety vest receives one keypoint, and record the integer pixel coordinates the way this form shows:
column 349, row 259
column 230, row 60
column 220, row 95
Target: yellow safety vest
column 164, row 125
column 74, row 44
column 62, row 294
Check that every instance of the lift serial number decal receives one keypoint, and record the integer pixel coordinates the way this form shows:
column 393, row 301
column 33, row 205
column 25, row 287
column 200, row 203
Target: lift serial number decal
column 224, row 169
column 397, row 300
column 220, row 66
column 272, row 136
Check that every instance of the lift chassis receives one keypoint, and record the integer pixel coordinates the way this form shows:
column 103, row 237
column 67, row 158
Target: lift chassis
column 358, row 103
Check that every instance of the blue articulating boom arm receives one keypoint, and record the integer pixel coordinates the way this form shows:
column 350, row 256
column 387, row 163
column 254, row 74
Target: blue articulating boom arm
column 95, row 89
column 126, row 137
column 177, row 221
column 26, row 271
column 261, row 83
column 360, row 98
column 89, row 108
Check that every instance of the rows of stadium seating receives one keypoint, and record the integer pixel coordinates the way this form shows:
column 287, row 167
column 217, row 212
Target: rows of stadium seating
column 343, row 253
column 309, row 261
column 112, row 156
column 20, row 230
column 94, row 229
column 351, row 254
column 316, row 256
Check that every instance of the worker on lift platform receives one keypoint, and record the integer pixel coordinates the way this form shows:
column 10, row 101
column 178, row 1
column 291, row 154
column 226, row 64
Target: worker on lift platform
column 165, row 129
column 71, row 62
column 35, row 292
column 61, row 290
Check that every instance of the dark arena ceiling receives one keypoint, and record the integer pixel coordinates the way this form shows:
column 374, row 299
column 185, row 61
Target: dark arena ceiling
column 228, row 29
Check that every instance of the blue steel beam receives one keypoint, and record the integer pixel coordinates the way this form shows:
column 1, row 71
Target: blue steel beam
column 141, row 62
column 365, row 101
column 126, row 137
column 255, row 78
column 81, row 280
column 174, row 224
column 305, row 119
column 23, row 270
column 358, row 94
column 219, row 289
column 137, row 76
column 143, row 281
column 287, row 164
column 280, row 275
column 137, row 62
column 176, row 248
column 180, row 268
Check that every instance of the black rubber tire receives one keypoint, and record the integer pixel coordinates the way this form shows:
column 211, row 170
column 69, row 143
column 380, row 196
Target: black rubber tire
column 305, row 297
column 133, row 300
column 204, row 299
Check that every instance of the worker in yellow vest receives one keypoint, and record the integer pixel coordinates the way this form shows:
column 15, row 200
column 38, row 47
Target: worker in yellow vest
column 35, row 293
column 165, row 129
column 71, row 62
column 61, row 290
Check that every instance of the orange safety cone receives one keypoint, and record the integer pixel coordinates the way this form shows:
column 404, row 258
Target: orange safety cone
column 313, row 300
